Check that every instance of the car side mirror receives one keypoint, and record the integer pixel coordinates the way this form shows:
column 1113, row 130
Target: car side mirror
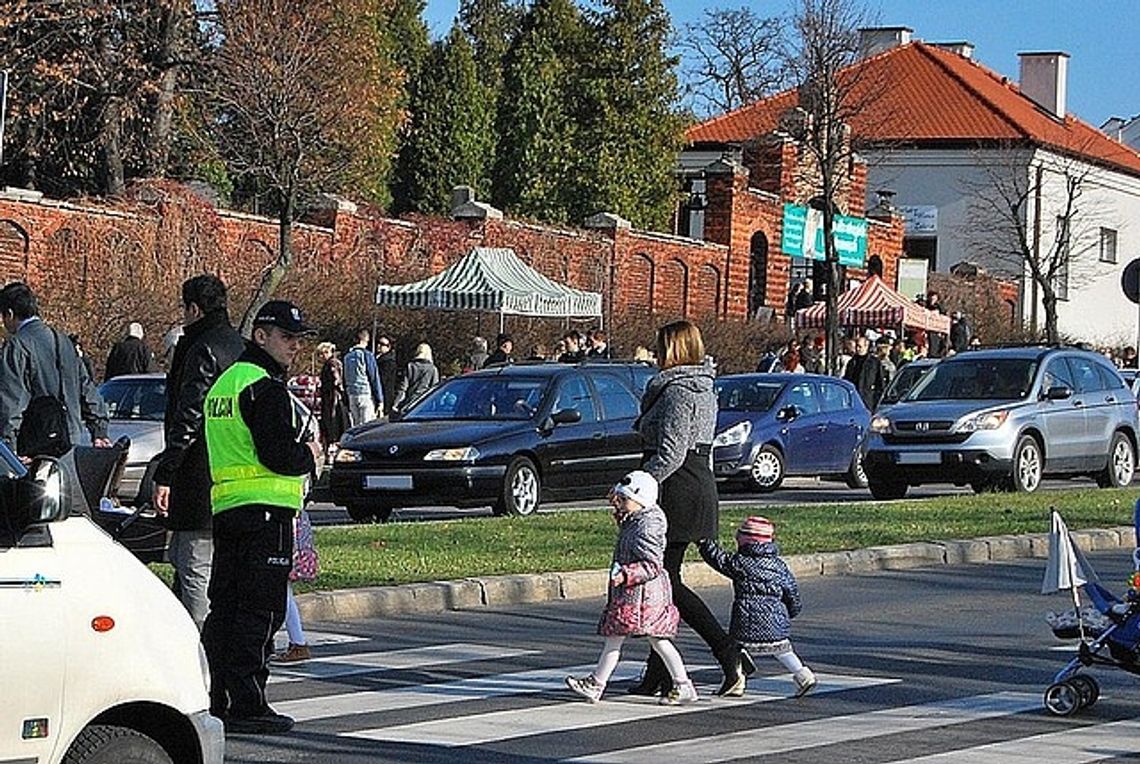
column 566, row 416
column 395, row 416
column 1058, row 393
column 787, row 414
column 37, row 497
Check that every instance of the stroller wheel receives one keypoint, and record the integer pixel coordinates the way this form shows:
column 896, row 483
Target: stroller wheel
column 1087, row 687
column 1063, row 699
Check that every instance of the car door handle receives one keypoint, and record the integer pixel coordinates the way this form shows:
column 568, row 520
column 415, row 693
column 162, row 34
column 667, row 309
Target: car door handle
column 1109, row 399
column 598, row 435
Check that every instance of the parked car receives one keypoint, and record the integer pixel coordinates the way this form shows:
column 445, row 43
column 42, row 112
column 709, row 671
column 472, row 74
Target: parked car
column 1005, row 418
column 511, row 437
column 773, row 425
column 136, row 404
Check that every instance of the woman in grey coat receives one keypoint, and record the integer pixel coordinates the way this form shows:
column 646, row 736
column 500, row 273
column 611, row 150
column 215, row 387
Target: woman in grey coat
column 420, row 376
column 677, row 425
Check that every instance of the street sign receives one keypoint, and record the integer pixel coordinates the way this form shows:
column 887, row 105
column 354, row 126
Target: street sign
column 802, row 236
column 1130, row 281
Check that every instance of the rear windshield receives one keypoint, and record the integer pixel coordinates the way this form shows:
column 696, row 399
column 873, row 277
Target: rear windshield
column 488, row 398
column 986, row 379
column 135, row 398
column 747, row 394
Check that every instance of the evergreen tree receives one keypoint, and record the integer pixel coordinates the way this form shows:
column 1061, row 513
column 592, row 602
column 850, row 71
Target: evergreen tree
column 405, row 43
column 631, row 128
column 450, row 140
column 537, row 161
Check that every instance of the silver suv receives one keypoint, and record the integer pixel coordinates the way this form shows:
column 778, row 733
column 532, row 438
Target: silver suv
column 1003, row 418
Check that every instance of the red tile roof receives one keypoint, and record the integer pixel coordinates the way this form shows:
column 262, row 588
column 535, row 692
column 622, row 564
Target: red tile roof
column 929, row 94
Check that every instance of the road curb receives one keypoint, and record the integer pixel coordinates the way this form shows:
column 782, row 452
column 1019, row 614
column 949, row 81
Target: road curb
column 499, row 591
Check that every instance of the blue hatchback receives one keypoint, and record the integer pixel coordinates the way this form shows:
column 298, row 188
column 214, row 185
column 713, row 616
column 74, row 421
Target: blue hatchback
column 772, row 425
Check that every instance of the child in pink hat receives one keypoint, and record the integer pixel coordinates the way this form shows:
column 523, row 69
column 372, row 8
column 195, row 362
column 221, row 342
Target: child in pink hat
column 765, row 598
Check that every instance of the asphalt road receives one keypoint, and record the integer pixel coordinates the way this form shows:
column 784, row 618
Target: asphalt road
column 793, row 491
column 940, row 665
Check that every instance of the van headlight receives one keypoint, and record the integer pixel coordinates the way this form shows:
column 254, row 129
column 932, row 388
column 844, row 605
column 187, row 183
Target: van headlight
column 348, row 456
column 734, row 435
column 991, row 420
column 468, row 454
column 880, row 424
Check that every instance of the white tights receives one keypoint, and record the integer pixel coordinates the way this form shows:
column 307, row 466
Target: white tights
column 789, row 660
column 611, row 652
column 293, row 619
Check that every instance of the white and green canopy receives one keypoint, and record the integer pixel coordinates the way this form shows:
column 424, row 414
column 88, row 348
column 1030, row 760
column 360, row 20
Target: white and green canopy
column 493, row 280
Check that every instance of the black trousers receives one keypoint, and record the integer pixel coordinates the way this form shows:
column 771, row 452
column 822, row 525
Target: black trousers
column 253, row 553
column 692, row 608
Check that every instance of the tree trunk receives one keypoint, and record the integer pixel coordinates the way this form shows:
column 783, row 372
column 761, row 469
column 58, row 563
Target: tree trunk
column 1049, row 301
column 158, row 142
column 110, row 141
column 272, row 277
column 831, row 269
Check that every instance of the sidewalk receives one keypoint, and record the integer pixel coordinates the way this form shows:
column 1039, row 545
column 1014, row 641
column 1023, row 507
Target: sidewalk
column 499, row 591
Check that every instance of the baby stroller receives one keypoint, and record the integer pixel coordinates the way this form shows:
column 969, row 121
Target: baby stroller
column 1109, row 632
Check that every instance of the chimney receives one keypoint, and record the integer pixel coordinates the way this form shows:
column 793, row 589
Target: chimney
column 963, row 48
column 1114, row 129
column 1044, row 80
column 875, row 40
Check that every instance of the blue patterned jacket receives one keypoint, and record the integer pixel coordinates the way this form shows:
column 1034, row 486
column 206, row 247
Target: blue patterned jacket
column 766, row 597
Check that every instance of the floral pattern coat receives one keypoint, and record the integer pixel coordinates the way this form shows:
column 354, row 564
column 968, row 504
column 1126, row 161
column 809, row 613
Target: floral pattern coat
column 642, row 604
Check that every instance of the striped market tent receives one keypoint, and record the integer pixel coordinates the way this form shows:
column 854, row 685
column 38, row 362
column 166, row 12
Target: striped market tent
column 493, row 280
column 874, row 305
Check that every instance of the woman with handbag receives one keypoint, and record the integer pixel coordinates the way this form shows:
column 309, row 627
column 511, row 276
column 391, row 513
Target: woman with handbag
column 677, row 425
column 305, row 567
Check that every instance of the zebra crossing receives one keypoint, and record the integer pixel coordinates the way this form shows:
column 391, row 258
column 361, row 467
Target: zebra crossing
column 463, row 698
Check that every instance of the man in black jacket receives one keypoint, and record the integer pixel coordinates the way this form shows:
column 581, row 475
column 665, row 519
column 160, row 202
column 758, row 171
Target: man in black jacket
column 38, row 360
column 130, row 355
column 386, row 367
column 866, row 373
column 182, row 480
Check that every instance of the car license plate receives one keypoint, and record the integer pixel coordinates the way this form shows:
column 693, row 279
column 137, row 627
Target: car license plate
column 390, row 482
column 919, row 457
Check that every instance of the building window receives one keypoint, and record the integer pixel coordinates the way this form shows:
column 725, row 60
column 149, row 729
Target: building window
column 1061, row 269
column 1107, row 245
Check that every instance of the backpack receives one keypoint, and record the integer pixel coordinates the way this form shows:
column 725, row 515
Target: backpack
column 44, row 428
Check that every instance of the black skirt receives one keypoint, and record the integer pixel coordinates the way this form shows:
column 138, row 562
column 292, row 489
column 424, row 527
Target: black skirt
column 690, row 501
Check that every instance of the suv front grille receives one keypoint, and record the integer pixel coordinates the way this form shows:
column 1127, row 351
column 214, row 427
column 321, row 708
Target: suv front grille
column 923, row 431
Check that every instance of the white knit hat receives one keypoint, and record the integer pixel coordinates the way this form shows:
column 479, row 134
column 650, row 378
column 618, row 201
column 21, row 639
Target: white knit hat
column 639, row 486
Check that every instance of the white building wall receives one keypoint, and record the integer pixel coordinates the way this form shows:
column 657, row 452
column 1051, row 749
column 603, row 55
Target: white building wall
column 1097, row 310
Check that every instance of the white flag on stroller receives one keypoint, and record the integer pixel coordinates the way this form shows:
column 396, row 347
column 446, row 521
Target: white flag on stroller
column 1067, row 567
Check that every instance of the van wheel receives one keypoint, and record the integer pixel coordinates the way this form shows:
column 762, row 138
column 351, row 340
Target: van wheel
column 1027, row 466
column 106, row 744
column 1121, row 463
column 887, row 490
column 522, row 489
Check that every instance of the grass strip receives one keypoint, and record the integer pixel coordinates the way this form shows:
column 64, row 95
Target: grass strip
column 397, row 553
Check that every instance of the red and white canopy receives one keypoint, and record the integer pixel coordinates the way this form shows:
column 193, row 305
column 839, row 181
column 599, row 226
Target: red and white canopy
column 874, row 305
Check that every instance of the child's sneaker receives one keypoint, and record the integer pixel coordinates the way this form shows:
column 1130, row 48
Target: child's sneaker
column 805, row 681
column 586, row 686
column 681, row 694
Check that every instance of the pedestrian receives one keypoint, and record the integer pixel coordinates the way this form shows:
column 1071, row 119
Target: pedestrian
column 169, row 341
column 790, row 306
column 805, row 298
column 39, row 367
column 765, row 598
column 362, row 381
column 420, row 376
column 883, row 352
column 82, row 354
column 846, row 353
column 538, row 353
column 959, row 332
column 306, row 565
column 677, row 425
column 387, row 368
column 502, row 355
column 866, row 373
column 130, row 355
column 639, row 599
column 208, row 346
column 479, row 355
column 333, row 400
column 574, row 352
column 260, row 459
column 811, row 355
column 599, row 346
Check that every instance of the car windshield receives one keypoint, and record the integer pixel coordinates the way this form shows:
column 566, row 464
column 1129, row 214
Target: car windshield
column 976, row 379
column 903, row 381
column 487, row 398
column 142, row 399
column 747, row 394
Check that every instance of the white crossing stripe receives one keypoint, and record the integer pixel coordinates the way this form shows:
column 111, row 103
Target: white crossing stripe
column 1075, row 746
column 480, row 688
column 799, row 736
column 349, row 664
column 574, row 713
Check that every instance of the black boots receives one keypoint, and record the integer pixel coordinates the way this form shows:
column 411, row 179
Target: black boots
column 655, row 680
column 737, row 664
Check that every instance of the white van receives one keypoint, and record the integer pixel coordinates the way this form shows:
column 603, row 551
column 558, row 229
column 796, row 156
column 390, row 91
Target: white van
column 98, row 660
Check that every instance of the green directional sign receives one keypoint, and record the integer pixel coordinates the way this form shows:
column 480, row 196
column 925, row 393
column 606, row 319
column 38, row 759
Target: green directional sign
column 803, row 236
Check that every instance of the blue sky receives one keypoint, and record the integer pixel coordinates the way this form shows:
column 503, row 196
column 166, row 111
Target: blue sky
column 1100, row 36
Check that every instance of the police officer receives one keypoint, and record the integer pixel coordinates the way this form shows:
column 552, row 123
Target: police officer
column 259, row 459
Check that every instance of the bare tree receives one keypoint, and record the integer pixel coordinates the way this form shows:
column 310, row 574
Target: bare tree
column 832, row 94
column 1026, row 218
column 732, row 58
column 301, row 103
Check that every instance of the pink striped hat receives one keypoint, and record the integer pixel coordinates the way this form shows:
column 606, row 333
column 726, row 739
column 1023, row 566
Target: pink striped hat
column 756, row 529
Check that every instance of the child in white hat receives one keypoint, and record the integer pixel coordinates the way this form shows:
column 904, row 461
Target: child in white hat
column 640, row 602
column 765, row 598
